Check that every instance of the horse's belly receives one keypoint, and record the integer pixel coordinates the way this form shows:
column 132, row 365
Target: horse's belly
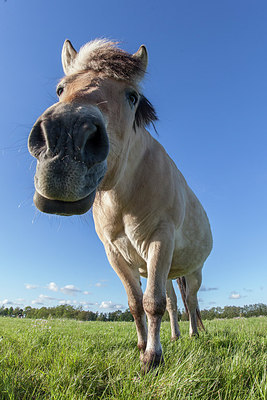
column 189, row 253
column 184, row 262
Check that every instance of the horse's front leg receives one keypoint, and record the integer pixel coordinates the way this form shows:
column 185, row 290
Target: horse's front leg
column 158, row 265
column 130, row 279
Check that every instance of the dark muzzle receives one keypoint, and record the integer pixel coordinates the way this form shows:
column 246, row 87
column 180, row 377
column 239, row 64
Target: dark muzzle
column 71, row 145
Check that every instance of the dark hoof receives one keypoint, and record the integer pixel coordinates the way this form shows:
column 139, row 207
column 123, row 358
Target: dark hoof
column 151, row 361
column 174, row 338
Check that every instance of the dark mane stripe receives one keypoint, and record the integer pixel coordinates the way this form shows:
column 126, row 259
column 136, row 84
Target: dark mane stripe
column 145, row 113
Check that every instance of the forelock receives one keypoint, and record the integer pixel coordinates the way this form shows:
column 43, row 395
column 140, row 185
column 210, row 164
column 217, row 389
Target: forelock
column 105, row 57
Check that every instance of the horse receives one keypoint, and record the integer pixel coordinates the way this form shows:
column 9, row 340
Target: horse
column 93, row 150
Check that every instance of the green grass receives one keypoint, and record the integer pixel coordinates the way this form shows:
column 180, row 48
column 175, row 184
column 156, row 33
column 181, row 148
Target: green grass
column 59, row 359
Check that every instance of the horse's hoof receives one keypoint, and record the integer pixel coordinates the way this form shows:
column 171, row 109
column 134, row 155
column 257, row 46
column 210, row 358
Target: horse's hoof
column 150, row 361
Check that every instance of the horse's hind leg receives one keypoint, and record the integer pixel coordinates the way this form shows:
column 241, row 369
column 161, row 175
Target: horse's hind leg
column 193, row 283
column 171, row 307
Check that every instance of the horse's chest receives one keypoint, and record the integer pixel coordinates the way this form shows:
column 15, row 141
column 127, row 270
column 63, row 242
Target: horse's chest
column 125, row 244
column 128, row 250
column 124, row 234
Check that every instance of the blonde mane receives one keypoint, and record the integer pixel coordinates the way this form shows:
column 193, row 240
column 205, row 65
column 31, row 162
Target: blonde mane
column 103, row 55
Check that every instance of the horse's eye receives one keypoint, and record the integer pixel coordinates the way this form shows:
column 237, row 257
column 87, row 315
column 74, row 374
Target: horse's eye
column 60, row 90
column 133, row 98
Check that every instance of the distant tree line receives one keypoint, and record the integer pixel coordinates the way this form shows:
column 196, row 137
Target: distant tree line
column 252, row 310
column 70, row 312
column 65, row 311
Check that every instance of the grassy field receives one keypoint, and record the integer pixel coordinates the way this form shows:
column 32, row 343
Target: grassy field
column 60, row 359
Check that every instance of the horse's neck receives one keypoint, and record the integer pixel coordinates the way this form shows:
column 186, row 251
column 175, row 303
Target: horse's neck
column 142, row 142
column 127, row 178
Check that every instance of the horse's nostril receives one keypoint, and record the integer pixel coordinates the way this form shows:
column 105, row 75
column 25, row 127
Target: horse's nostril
column 93, row 143
column 37, row 141
column 95, row 147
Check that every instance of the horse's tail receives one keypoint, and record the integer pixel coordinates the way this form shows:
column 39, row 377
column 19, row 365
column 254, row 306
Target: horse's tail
column 182, row 286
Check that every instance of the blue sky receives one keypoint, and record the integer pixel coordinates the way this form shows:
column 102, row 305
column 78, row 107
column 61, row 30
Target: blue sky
column 207, row 78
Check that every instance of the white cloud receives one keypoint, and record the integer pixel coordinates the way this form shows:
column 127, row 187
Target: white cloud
column 87, row 303
column 234, row 295
column 70, row 289
column 30, row 286
column 76, row 303
column 69, row 302
column 37, row 302
column 207, row 289
column 52, row 286
column 111, row 305
column 99, row 284
column 18, row 302
column 6, row 302
column 62, row 302
column 85, row 292
column 44, row 297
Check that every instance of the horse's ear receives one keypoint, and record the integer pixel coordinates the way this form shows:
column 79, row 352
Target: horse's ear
column 143, row 57
column 67, row 56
